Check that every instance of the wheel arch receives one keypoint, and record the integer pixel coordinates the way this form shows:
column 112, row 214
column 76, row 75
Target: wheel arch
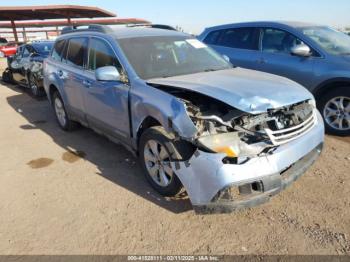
column 147, row 122
column 330, row 84
column 52, row 90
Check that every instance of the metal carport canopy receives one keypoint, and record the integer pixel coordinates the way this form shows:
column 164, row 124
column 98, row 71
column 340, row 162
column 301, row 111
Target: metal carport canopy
column 21, row 13
column 63, row 22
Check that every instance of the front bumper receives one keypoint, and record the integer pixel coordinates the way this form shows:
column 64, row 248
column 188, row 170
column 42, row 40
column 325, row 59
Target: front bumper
column 207, row 179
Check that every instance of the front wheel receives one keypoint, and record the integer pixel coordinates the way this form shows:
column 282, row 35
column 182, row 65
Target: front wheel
column 335, row 109
column 157, row 149
column 7, row 76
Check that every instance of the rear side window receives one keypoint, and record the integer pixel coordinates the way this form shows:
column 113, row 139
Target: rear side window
column 212, row 38
column 101, row 54
column 58, row 50
column 26, row 52
column 241, row 38
column 76, row 51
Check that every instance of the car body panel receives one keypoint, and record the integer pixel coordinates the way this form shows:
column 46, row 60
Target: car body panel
column 8, row 50
column 215, row 175
column 25, row 62
column 299, row 69
column 106, row 105
column 147, row 101
column 310, row 72
column 119, row 109
column 247, row 90
column 240, row 57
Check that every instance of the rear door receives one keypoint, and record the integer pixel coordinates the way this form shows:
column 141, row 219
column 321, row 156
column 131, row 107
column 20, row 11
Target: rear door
column 241, row 45
column 106, row 102
column 276, row 57
column 74, row 61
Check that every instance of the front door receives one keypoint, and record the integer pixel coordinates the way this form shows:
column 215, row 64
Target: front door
column 276, row 57
column 106, row 102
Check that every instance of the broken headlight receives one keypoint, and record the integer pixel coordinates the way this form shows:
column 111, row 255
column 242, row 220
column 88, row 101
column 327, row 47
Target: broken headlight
column 231, row 145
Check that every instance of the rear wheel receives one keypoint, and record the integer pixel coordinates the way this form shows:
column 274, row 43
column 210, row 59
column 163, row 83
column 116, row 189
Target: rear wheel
column 335, row 108
column 36, row 90
column 157, row 150
column 61, row 114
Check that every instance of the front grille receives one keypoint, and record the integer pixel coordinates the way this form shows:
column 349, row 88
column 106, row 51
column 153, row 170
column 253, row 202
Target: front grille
column 282, row 136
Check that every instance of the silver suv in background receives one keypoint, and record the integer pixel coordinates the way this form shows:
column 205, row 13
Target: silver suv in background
column 317, row 57
column 229, row 136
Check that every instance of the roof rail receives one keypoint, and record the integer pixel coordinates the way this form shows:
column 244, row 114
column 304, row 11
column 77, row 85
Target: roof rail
column 157, row 26
column 92, row 27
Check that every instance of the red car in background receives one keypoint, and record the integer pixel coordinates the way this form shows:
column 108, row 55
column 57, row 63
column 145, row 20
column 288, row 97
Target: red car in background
column 8, row 50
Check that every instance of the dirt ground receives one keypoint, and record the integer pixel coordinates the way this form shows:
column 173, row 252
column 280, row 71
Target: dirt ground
column 77, row 193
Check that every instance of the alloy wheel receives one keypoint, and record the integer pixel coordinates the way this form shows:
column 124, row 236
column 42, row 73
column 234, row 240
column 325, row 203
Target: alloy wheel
column 60, row 112
column 33, row 84
column 157, row 162
column 337, row 113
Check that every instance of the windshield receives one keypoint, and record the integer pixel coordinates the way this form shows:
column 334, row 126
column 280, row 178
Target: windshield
column 43, row 48
column 155, row 57
column 332, row 41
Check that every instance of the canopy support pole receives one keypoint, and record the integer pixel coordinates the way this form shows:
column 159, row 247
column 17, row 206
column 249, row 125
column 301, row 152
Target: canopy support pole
column 24, row 34
column 14, row 30
column 69, row 19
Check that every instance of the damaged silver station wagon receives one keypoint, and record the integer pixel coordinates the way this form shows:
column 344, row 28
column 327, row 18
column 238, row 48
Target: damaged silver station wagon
column 231, row 137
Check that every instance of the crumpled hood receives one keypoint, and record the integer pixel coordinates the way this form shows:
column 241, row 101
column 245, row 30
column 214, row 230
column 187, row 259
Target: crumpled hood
column 247, row 90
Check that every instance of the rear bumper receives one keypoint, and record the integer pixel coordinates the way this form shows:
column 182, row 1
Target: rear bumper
column 209, row 182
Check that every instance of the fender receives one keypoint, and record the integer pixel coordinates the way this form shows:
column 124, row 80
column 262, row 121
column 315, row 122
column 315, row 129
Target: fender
column 163, row 107
column 338, row 81
column 51, row 79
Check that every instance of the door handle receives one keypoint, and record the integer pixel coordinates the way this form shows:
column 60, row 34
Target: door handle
column 60, row 74
column 87, row 83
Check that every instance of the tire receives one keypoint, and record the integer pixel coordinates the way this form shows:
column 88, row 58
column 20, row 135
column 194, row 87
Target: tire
column 36, row 90
column 335, row 109
column 174, row 150
column 61, row 114
column 7, row 77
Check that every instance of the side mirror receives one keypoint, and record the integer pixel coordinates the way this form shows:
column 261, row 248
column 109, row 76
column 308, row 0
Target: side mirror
column 227, row 59
column 301, row 50
column 107, row 73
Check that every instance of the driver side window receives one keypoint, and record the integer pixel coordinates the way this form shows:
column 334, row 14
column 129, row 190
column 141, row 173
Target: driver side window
column 278, row 41
column 101, row 54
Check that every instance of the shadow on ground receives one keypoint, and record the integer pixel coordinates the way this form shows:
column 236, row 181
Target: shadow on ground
column 113, row 161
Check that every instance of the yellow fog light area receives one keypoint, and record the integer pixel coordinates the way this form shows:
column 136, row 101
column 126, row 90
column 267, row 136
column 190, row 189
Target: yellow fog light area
column 227, row 143
column 229, row 151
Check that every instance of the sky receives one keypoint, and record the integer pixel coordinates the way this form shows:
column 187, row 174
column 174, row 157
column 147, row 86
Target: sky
column 195, row 15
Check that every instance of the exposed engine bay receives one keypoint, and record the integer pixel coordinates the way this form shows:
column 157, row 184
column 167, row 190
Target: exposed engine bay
column 222, row 128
